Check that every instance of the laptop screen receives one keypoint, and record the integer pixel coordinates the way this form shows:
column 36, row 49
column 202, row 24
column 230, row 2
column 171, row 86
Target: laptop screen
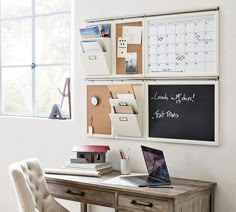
column 155, row 163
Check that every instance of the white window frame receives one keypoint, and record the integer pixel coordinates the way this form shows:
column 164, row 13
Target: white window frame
column 33, row 64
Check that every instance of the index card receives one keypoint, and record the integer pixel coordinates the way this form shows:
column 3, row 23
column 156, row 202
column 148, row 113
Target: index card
column 133, row 34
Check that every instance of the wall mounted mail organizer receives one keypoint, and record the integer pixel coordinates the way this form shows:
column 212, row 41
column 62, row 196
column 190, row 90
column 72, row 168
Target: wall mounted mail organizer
column 118, row 106
column 154, row 78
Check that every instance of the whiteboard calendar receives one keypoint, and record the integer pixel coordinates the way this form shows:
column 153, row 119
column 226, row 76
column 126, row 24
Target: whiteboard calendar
column 183, row 44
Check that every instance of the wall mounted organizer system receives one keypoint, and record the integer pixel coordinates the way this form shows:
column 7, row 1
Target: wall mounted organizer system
column 148, row 66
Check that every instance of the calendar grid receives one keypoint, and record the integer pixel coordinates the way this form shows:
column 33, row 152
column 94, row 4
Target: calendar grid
column 182, row 45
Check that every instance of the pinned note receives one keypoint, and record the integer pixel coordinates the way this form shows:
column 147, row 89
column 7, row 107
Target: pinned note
column 122, row 48
column 133, row 34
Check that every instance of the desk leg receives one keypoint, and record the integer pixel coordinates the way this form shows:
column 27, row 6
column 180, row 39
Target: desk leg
column 212, row 202
column 83, row 207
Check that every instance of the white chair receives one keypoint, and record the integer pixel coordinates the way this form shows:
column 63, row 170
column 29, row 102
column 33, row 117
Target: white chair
column 31, row 188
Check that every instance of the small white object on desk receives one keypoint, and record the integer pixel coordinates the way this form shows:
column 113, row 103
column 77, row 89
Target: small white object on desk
column 124, row 166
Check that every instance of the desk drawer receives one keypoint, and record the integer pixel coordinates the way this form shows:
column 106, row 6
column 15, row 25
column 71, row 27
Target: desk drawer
column 82, row 194
column 143, row 203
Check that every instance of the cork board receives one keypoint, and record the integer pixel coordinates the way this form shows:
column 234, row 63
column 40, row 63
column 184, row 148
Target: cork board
column 120, row 62
column 98, row 116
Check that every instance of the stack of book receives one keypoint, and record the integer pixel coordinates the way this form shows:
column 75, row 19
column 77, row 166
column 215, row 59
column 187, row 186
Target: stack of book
column 95, row 168
column 82, row 169
column 89, row 161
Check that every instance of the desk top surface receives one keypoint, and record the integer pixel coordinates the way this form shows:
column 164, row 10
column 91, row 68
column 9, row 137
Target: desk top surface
column 180, row 186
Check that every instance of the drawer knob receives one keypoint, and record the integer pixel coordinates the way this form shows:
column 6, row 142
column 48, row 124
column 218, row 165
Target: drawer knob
column 146, row 204
column 75, row 193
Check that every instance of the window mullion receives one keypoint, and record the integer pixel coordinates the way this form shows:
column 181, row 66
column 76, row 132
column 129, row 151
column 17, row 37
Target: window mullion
column 33, row 60
column 1, row 92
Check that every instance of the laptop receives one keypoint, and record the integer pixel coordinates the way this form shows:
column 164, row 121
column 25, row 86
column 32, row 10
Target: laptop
column 157, row 170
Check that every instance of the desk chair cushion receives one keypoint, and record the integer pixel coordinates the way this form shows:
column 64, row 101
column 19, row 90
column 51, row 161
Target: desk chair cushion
column 31, row 188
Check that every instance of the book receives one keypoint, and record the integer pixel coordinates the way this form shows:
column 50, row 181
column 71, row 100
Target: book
column 88, row 166
column 88, row 169
column 78, row 172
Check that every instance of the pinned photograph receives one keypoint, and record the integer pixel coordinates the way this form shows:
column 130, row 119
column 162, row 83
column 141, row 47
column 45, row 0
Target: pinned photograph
column 131, row 63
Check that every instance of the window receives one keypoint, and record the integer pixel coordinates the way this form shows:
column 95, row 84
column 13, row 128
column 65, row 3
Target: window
column 34, row 55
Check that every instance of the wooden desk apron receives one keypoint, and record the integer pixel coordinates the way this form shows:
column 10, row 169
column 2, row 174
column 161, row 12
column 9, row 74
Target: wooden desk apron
column 186, row 196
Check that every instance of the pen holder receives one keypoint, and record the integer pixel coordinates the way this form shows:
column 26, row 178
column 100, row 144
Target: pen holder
column 124, row 166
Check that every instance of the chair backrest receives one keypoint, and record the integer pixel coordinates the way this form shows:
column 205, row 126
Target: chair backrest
column 31, row 188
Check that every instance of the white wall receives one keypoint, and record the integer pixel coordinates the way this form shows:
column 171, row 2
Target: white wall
column 51, row 140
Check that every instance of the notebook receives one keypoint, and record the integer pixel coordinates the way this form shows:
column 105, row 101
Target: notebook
column 157, row 170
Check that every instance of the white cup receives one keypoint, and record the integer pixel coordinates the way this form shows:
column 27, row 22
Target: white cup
column 124, row 166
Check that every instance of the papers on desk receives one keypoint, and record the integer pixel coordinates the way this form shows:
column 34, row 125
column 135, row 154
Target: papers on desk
column 117, row 181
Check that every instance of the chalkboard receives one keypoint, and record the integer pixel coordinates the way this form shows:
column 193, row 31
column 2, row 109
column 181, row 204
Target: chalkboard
column 182, row 111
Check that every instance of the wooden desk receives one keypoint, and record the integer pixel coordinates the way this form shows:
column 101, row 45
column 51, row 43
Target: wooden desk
column 186, row 196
